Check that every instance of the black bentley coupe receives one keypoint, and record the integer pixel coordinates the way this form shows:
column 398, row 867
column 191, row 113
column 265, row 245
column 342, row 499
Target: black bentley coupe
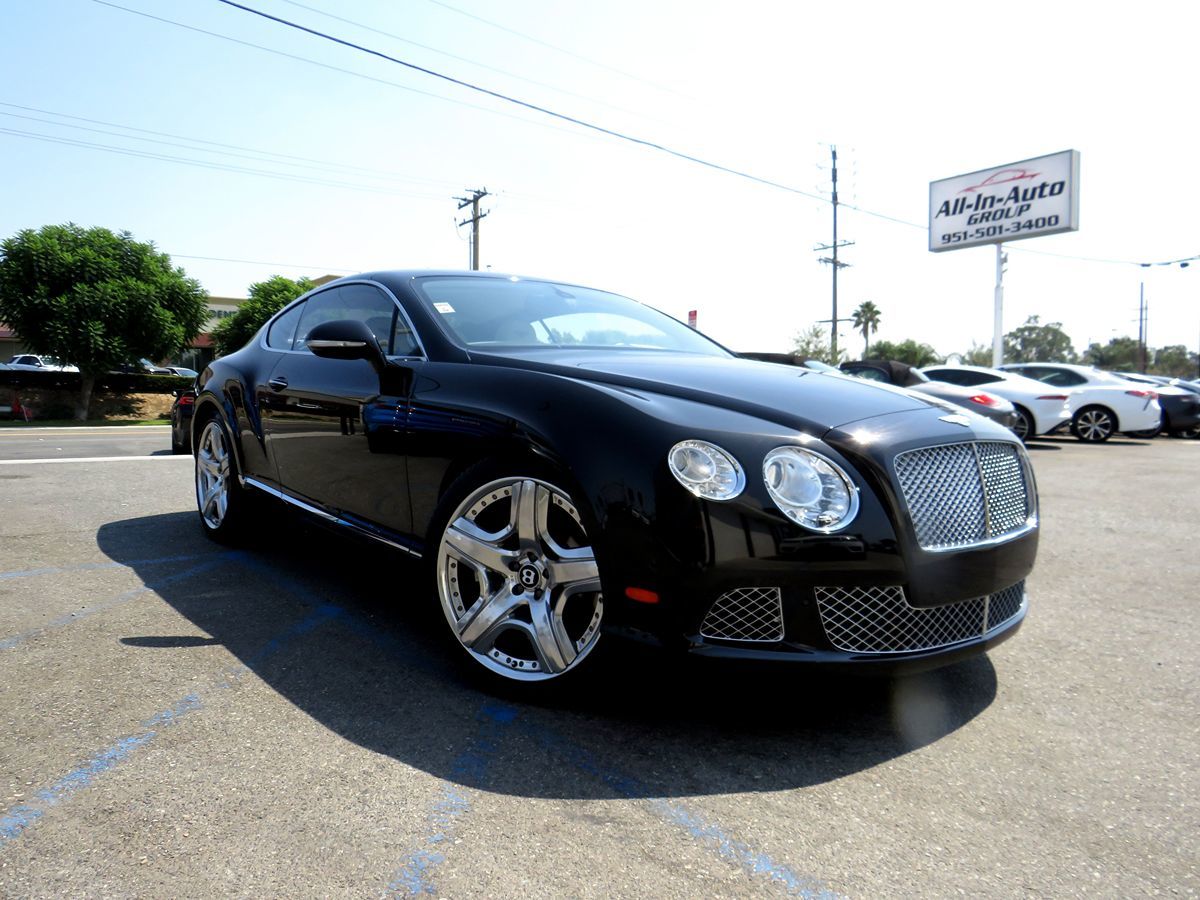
column 569, row 463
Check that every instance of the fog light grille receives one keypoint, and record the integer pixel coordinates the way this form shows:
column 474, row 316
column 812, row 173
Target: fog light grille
column 1004, row 605
column 880, row 619
column 745, row 614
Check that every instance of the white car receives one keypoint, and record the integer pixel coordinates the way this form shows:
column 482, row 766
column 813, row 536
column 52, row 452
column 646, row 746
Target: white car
column 1040, row 408
column 1104, row 404
column 29, row 362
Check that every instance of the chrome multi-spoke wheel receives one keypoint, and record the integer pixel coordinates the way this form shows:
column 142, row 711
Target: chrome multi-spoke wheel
column 212, row 475
column 1094, row 424
column 224, row 507
column 518, row 579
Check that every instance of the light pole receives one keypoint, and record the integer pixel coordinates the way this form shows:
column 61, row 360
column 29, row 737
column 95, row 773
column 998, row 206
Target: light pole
column 1183, row 264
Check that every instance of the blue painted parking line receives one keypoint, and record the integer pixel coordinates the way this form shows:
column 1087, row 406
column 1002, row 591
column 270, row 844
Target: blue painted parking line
column 17, row 819
column 88, row 567
column 712, row 835
column 88, row 611
column 413, row 877
column 415, row 873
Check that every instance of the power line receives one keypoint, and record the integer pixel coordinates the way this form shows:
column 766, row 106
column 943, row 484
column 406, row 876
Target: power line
column 535, row 108
column 208, row 164
column 188, row 146
column 281, row 157
column 522, row 103
column 557, row 49
column 464, row 59
column 259, row 262
column 332, row 68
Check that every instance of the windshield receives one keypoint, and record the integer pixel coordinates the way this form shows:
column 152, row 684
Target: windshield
column 498, row 313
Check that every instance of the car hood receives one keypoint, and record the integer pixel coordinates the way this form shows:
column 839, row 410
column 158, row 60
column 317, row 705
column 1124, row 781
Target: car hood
column 788, row 395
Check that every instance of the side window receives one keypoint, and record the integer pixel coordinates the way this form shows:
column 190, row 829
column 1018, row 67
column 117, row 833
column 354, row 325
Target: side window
column 279, row 336
column 950, row 376
column 361, row 302
column 973, row 379
column 404, row 342
column 867, row 373
column 1064, row 378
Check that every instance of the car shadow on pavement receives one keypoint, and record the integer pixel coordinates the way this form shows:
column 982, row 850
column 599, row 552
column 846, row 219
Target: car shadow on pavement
column 353, row 637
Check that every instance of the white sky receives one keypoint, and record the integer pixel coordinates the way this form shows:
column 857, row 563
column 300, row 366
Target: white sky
column 909, row 93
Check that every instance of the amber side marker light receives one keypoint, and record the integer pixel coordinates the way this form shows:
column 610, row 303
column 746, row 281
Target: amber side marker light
column 641, row 595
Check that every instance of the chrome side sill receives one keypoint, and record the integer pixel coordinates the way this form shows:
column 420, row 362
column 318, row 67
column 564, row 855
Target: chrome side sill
column 321, row 514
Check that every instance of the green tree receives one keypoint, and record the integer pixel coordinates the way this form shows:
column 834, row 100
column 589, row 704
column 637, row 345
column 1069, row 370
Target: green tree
column 908, row 351
column 95, row 299
column 1035, row 342
column 978, row 355
column 1174, row 361
column 1122, row 354
column 866, row 320
column 813, row 343
column 266, row 299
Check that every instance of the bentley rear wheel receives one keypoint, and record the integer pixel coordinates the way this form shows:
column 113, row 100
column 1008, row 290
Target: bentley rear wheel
column 219, row 496
column 518, row 580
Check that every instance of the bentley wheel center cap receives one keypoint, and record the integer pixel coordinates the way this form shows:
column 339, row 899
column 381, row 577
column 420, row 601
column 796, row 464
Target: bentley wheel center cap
column 529, row 575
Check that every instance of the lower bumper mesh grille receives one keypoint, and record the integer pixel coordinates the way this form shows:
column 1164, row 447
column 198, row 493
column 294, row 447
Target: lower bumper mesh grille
column 880, row 619
column 745, row 614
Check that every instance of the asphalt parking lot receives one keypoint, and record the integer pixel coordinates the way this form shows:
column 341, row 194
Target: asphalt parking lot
column 179, row 719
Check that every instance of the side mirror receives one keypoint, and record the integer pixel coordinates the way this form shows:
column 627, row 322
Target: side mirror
column 346, row 339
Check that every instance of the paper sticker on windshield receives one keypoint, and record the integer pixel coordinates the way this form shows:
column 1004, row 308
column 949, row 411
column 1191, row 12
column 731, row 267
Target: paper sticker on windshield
column 443, row 307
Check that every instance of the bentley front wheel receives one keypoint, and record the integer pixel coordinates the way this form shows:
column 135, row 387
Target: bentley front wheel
column 518, row 579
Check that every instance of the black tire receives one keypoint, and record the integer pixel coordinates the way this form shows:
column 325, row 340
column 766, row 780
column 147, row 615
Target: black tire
column 1094, row 424
column 519, row 589
column 1023, row 427
column 1187, row 433
column 221, row 501
column 1147, row 434
column 179, row 447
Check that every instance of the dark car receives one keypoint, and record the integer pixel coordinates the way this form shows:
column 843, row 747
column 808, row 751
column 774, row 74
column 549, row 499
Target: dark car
column 1180, row 404
column 569, row 464
column 181, row 420
column 977, row 400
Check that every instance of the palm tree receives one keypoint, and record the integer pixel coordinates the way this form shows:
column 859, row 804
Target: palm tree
column 866, row 320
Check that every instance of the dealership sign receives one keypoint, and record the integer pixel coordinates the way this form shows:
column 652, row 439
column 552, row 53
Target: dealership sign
column 1008, row 203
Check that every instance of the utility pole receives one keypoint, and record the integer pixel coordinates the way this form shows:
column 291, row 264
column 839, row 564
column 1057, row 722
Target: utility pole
column 1143, row 321
column 834, row 263
column 998, row 308
column 473, row 201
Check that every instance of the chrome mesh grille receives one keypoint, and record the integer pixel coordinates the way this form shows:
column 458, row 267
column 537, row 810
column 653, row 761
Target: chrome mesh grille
column 880, row 619
column 964, row 494
column 745, row 614
column 1004, row 488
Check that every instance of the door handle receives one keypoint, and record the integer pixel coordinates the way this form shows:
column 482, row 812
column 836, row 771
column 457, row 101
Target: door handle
column 278, row 383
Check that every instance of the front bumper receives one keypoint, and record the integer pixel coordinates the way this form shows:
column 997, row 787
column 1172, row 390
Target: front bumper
column 914, row 581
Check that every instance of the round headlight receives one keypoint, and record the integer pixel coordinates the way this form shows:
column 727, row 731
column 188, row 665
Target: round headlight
column 706, row 470
column 809, row 489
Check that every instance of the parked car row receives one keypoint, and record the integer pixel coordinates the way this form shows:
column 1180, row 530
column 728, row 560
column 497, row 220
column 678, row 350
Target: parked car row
column 1035, row 399
column 989, row 405
column 1096, row 404
column 31, row 362
column 1039, row 410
